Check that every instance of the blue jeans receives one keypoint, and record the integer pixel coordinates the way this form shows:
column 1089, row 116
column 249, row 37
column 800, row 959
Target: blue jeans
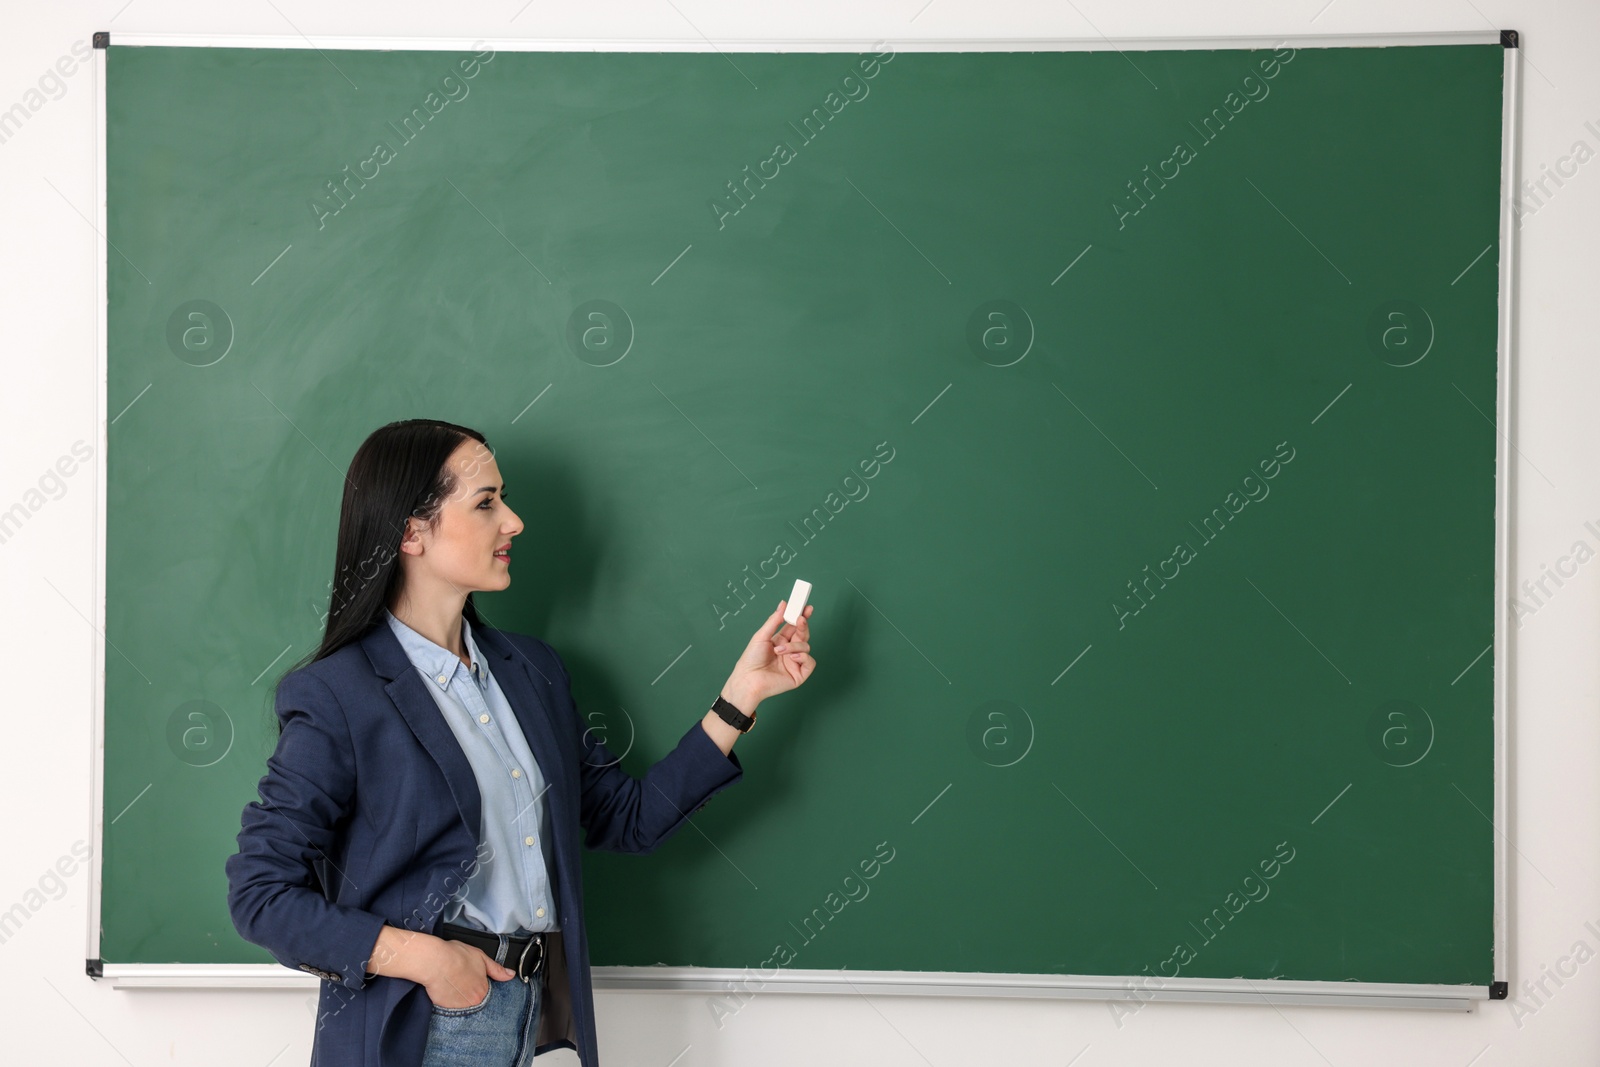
column 497, row 1033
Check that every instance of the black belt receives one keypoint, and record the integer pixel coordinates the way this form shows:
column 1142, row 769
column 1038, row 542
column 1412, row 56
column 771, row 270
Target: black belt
column 527, row 950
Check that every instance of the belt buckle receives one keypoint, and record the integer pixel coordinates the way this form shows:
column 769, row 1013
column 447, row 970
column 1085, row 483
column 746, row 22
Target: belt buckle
column 522, row 960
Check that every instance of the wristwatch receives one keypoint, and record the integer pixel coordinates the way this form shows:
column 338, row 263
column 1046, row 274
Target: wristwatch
column 733, row 716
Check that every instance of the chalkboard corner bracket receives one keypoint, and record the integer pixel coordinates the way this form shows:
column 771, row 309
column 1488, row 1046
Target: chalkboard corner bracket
column 1510, row 39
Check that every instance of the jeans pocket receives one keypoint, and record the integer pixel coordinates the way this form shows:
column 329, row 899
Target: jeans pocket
column 473, row 1010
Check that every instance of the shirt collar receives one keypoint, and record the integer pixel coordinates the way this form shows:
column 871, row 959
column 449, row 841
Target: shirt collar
column 435, row 661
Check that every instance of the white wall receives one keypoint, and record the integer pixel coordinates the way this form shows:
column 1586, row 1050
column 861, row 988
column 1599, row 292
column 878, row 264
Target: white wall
column 54, row 1014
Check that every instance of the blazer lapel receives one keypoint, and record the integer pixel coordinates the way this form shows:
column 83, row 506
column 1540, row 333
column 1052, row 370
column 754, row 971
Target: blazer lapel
column 421, row 713
column 525, row 690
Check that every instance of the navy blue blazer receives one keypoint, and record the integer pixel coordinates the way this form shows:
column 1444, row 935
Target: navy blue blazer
column 369, row 815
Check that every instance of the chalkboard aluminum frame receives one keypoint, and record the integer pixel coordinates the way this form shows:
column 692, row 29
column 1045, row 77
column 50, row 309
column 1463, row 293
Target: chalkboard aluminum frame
column 707, row 981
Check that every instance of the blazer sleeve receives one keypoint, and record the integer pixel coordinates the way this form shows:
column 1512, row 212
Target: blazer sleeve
column 274, row 895
column 621, row 813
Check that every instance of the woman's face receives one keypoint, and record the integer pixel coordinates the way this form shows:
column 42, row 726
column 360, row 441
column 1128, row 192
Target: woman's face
column 469, row 547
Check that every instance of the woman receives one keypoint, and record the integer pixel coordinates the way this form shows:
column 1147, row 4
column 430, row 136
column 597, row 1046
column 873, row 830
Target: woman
column 416, row 841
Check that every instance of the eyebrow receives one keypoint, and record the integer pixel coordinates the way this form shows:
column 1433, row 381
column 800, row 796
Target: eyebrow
column 490, row 489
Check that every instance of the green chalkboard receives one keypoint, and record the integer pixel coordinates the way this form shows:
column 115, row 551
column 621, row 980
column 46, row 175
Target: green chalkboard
column 1133, row 414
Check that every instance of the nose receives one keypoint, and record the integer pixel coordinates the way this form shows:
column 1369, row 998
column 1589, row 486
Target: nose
column 515, row 526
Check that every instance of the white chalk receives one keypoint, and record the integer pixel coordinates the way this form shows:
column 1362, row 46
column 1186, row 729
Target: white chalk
column 797, row 602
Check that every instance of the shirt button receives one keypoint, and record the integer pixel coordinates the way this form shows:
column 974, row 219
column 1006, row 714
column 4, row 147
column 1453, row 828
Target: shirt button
column 441, row 679
column 527, row 840
column 539, row 913
column 516, row 773
column 483, row 718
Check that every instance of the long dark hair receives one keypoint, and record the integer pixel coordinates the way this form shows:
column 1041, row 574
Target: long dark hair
column 400, row 470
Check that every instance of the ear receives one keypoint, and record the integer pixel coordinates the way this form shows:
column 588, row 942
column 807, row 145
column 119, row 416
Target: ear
column 411, row 540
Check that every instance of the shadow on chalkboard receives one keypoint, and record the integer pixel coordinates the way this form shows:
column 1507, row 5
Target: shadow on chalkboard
column 570, row 538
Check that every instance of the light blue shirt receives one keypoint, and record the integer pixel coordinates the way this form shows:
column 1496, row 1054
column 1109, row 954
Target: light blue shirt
column 511, row 891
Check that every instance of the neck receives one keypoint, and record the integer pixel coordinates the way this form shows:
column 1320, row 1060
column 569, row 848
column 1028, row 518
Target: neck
column 438, row 619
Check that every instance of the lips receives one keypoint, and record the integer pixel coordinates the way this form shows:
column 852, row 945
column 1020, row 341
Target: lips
column 503, row 553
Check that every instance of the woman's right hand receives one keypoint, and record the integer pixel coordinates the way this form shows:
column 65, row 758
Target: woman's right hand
column 461, row 974
column 775, row 661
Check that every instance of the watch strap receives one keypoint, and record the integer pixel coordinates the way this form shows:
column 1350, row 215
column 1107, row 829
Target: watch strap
column 732, row 715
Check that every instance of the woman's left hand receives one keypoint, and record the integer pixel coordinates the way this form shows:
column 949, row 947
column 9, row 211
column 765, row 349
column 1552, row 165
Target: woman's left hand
column 776, row 661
